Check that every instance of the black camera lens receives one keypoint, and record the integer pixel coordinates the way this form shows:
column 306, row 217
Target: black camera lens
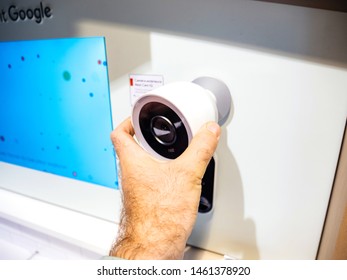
column 163, row 130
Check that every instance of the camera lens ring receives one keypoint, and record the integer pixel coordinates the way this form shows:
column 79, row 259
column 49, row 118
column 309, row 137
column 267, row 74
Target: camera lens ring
column 141, row 116
column 163, row 130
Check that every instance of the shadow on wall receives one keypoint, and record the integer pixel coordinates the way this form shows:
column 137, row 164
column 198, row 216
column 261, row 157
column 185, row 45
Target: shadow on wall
column 225, row 230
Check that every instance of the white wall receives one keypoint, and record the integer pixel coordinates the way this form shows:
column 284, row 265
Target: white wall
column 277, row 156
column 286, row 68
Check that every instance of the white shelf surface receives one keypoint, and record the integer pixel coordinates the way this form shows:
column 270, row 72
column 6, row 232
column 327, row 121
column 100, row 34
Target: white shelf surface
column 90, row 233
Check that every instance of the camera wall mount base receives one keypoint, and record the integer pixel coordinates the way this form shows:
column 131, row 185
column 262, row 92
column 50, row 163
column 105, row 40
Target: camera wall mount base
column 221, row 93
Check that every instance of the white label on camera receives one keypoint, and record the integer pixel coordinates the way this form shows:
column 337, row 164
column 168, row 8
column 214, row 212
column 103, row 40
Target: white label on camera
column 141, row 84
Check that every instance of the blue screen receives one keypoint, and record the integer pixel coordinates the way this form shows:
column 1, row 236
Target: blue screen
column 55, row 113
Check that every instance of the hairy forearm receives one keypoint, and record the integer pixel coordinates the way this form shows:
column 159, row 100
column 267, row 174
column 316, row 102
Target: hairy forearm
column 157, row 228
column 158, row 238
column 160, row 198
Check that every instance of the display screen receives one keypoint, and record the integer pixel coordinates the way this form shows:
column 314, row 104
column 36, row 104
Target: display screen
column 55, row 113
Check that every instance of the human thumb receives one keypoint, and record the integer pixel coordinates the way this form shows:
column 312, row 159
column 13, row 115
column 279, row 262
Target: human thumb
column 202, row 147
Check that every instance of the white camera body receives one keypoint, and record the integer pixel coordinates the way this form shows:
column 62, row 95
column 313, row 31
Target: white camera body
column 166, row 119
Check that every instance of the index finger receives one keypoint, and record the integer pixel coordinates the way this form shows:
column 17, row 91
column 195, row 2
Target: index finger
column 123, row 140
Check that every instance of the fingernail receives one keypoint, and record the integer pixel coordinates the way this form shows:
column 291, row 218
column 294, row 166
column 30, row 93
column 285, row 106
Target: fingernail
column 214, row 128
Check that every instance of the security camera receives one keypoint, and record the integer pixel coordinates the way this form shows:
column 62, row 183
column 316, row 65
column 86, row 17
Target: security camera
column 166, row 119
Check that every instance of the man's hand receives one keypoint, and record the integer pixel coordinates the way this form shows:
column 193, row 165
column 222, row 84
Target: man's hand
column 160, row 198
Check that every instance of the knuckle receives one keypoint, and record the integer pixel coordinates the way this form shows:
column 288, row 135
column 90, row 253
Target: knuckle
column 205, row 153
column 116, row 139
